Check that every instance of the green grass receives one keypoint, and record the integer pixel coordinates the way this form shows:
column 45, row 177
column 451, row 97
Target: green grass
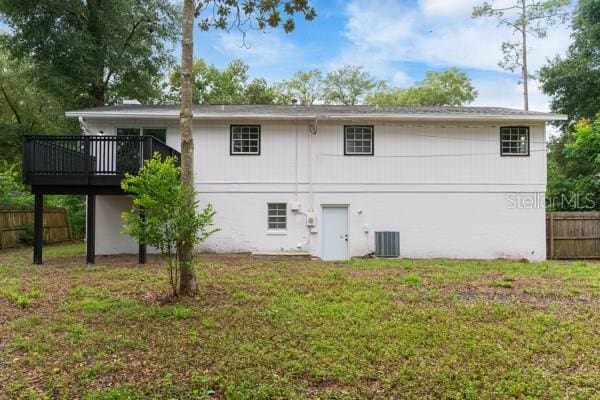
column 449, row 329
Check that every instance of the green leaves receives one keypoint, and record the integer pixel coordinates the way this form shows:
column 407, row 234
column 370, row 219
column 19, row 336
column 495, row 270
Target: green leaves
column 224, row 86
column 159, row 216
column 252, row 14
column 94, row 52
column 574, row 81
column 305, row 86
column 448, row 88
column 348, row 85
column 574, row 168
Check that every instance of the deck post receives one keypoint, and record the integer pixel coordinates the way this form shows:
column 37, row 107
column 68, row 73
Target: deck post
column 142, row 251
column 91, row 229
column 143, row 254
column 38, row 228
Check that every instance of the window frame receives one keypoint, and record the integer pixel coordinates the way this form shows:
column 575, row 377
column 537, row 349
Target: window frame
column 284, row 229
column 372, row 153
column 117, row 127
column 231, row 127
column 157, row 127
column 503, row 154
column 141, row 128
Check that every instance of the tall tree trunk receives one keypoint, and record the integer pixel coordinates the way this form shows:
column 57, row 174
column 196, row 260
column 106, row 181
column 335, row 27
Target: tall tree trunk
column 524, row 68
column 187, row 275
column 97, row 89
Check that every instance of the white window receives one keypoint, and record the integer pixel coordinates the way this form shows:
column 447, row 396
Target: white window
column 514, row 141
column 358, row 140
column 245, row 139
column 277, row 216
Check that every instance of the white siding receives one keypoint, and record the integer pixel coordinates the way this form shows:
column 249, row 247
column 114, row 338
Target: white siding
column 443, row 186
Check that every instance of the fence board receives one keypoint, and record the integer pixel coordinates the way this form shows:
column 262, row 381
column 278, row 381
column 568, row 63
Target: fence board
column 14, row 220
column 573, row 234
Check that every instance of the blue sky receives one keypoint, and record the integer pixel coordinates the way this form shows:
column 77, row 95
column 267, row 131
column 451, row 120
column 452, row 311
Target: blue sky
column 395, row 40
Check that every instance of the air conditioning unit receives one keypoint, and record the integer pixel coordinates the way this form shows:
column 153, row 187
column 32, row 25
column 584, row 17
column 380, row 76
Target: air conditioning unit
column 387, row 244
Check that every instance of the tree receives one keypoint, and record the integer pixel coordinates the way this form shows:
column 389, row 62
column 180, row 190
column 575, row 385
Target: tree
column 306, row 87
column 94, row 52
column 223, row 15
column 349, row 85
column 224, row 86
column 574, row 169
column 448, row 88
column 159, row 217
column 525, row 17
column 574, row 82
column 25, row 108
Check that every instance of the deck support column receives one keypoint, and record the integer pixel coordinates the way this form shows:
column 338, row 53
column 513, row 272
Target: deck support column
column 91, row 229
column 142, row 251
column 143, row 254
column 38, row 228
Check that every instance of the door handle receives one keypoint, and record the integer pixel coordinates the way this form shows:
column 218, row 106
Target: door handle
column 346, row 237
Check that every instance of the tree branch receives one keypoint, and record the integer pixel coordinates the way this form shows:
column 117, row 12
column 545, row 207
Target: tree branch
column 11, row 105
column 504, row 9
column 135, row 27
column 514, row 26
column 79, row 16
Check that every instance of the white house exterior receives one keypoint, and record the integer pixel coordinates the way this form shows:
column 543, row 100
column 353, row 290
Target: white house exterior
column 454, row 182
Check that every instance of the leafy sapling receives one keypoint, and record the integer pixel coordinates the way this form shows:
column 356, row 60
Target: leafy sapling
column 159, row 216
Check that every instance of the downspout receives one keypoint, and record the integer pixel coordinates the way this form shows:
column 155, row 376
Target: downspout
column 296, row 164
column 312, row 130
column 310, row 191
column 84, row 128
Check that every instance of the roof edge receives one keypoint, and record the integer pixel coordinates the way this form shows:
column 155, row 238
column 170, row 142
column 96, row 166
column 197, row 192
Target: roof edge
column 332, row 117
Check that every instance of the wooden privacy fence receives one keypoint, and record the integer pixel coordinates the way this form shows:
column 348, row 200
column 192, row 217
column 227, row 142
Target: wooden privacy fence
column 573, row 234
column 14, row 221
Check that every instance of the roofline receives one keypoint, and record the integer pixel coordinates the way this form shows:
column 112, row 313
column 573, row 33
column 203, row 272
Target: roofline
column 333, row 117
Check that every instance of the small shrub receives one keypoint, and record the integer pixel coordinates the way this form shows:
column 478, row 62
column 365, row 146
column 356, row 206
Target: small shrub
column 26, row 235
column 239, row 295
column 412, row 280
column 19, row 299
column 502, row 284
column 160, row 216
column 208, row 322
column 174, row 311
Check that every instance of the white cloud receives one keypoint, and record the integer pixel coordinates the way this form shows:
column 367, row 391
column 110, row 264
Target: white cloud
column 447, row 8
column 258, row 49
column 401, row 79
column 380, row 23
column 439, row 33
column 392, row 32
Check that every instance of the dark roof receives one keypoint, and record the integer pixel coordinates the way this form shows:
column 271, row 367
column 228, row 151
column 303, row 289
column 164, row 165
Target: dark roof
column 310, row 111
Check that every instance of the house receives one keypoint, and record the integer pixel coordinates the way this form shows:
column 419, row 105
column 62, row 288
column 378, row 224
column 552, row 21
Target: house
column 458, row 182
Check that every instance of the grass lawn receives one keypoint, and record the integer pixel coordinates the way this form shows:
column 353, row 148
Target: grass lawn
column 298, row 329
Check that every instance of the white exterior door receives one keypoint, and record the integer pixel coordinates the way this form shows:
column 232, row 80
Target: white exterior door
column 335, row 233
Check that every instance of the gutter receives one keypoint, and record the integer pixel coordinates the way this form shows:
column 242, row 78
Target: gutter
column 332, row 117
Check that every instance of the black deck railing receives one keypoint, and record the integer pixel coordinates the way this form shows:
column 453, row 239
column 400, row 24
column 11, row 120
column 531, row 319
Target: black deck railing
column 87, row 160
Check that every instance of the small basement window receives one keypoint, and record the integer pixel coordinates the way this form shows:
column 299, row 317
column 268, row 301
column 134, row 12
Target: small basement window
column 358, row 140
column 277, row 216
column 245, row 139
column 514, row 141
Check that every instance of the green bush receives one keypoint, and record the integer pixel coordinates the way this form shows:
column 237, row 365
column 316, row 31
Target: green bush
column 26, row 236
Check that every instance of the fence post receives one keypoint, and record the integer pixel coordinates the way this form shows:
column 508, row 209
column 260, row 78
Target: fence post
column 551, row 234
column 38, row 228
